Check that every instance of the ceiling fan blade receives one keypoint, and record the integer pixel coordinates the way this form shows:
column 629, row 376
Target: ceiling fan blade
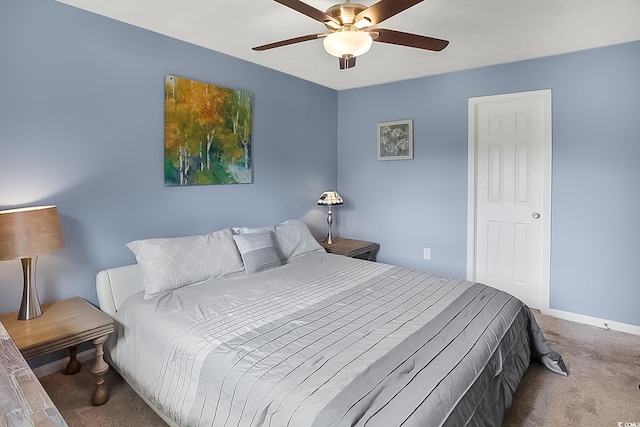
column 310, row 11
column 288, row 41
column 384, row 9
column 411, row 40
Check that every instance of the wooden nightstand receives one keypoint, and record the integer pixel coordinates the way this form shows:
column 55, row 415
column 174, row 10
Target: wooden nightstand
column 65, row 324
column 352, row 248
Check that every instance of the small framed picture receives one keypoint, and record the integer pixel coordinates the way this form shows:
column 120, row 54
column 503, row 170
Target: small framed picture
column 395, row 140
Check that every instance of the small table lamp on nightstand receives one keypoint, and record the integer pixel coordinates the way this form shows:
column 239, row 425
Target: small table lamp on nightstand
column 330, row 198
column 26, row 233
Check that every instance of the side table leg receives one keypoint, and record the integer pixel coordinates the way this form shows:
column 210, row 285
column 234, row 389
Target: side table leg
column 73, row 367
column 99, row 369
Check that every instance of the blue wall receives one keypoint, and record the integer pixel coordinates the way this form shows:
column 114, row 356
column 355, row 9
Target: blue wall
column 81, row 126
column 596, row 172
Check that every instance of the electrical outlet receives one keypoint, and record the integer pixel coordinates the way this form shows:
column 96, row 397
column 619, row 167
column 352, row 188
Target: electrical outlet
column 427, row 253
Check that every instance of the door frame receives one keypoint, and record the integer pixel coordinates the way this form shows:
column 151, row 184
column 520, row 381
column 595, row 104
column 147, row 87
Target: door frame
column 545, row 95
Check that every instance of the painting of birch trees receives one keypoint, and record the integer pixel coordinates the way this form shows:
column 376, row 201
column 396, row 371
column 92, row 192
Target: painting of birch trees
column 207, row 133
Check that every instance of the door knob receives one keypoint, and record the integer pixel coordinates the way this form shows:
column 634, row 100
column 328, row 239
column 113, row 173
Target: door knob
column 535, row 215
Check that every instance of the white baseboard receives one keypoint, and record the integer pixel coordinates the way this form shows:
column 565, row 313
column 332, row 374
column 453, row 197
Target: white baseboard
column 60, row 364
column 595, row 321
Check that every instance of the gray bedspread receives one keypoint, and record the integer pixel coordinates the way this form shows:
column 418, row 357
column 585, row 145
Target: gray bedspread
column 329, row 341
column 460, row 369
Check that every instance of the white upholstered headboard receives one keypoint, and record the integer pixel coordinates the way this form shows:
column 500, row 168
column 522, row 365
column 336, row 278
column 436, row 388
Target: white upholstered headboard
column 115, row 285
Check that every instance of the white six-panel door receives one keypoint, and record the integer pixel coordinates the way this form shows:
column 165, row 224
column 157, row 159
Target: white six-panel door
column 509, row 194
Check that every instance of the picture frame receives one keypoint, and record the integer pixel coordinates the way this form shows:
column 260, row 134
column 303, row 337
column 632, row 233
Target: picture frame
column 395, row 140
column 207, row 133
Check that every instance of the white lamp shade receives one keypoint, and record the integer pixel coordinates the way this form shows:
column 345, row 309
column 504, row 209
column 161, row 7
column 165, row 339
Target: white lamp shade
column 347, row 43
column 330, row 198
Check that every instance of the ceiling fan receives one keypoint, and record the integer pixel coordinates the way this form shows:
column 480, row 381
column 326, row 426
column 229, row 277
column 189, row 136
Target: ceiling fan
column 352, row 29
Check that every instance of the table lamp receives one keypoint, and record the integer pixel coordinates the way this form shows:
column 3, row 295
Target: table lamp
column 26, row 233
column 330, row 198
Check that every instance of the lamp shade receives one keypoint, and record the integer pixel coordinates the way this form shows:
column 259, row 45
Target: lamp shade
column 330, row 198
column 347, row 43
column 29, row 232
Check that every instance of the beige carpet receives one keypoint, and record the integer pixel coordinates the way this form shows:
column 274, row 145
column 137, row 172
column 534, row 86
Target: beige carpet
column 601, row 390
column 72, row 396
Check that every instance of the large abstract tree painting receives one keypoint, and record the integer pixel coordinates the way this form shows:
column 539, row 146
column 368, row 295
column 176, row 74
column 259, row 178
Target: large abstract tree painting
column 207, row 133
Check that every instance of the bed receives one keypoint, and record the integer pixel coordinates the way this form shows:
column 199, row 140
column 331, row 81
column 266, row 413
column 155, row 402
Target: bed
column 286, row 334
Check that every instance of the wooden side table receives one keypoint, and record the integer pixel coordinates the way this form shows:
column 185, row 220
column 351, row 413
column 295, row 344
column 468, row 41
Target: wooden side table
column 65, row 324
column 352, row 248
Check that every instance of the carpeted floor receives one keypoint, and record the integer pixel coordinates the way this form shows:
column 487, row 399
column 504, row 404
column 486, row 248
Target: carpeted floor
column 602, row 388
column 72, row 396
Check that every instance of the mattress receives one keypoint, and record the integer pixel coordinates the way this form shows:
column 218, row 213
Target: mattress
column 327, row 340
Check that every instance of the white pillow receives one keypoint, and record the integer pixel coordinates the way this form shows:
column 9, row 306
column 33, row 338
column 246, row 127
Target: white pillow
column 257, row 250
column 171, row 263
column 293, row 238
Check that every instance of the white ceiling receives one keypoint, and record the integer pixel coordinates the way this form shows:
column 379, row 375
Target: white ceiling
column 481, row 32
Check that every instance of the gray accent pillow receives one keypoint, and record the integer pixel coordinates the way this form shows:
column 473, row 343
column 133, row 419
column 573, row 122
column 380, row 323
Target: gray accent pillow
column 257, row 250
column 294, row 239
column 249, row 230
column 171, row 263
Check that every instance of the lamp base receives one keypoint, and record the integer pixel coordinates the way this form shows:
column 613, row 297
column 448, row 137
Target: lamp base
column 30, row 305
column 329, row 239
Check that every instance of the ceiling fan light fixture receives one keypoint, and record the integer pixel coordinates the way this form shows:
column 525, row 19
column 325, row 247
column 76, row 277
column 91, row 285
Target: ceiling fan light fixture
column 362, row 23
column 332, row 25
column 347, row 43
